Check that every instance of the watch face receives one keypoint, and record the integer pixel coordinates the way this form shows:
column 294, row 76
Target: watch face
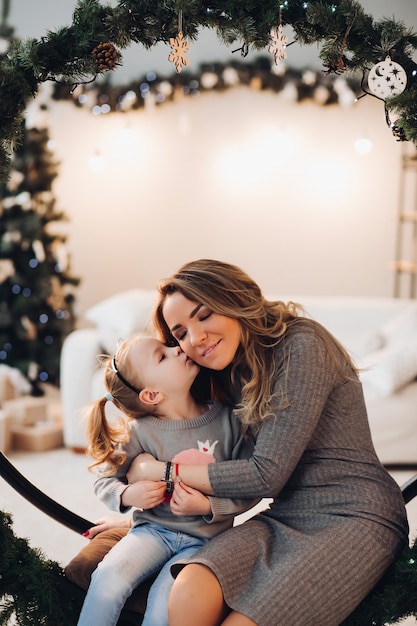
column 387, row 79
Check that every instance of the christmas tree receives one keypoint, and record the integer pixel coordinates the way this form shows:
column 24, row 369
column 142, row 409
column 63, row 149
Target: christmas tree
column 36, row 299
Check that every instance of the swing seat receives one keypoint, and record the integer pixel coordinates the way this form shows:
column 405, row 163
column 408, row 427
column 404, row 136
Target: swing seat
column 393, row 598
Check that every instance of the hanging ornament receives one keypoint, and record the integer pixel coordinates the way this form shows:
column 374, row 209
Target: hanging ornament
column 106, row 56
column 396, row 130
column 278, row 44
column 7, row 269
column 398, row 133
column 387, row 79
column 60, row 252
column 16, row 178
column 39, row 250
column 179, row 48
column 12, row 237
column 179, row 52
column 25, row 200
column 56, row 299
column 28, row 329
column 336, row 67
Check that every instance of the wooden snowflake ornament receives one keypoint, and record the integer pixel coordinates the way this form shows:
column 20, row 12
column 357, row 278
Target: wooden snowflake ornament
column 278, row 44
column 179, row 51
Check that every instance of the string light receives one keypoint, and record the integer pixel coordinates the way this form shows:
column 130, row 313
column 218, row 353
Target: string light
column 363, row 146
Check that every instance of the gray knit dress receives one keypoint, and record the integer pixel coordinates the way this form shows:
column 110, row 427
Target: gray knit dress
column 337, row 520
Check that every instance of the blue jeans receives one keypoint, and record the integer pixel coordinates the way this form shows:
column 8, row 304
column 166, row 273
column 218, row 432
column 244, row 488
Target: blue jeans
column 141, row 553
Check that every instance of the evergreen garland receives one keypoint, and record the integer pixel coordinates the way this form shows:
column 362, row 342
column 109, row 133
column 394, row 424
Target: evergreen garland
column 31, row 586
column 351, row 41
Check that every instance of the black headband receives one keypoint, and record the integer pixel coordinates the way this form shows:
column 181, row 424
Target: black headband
column 122, row 378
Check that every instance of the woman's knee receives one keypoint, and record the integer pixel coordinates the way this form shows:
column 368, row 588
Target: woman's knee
column 197, row 593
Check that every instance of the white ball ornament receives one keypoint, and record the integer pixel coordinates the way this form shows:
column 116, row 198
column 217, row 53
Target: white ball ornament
column 387, row 79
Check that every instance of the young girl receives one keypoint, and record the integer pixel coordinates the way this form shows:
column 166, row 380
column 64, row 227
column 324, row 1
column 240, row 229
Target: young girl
column 151, row 384
column 338, row 519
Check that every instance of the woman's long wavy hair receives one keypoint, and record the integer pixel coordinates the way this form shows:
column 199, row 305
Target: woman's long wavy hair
column 228, row 290
column 104, row 438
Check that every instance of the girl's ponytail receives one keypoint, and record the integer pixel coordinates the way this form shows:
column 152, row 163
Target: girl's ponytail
column 105, row 439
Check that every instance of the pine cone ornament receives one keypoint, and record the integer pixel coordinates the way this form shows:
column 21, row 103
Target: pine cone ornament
column 106, row 56
column 338, row 67
column 398, row 133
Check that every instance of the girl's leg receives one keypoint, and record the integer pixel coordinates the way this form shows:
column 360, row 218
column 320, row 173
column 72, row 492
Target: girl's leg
column 196, row 598
column 136, row 557
column 157, row 604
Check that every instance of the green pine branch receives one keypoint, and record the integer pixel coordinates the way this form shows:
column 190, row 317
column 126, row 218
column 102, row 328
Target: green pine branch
column 31, row 585
column 348, row 37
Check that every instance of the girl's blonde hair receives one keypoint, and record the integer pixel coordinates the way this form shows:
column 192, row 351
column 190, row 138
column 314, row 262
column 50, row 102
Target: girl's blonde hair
column 228, row 290
column 123, row 384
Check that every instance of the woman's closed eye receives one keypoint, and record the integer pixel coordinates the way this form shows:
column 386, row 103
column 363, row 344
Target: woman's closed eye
column 205, row 316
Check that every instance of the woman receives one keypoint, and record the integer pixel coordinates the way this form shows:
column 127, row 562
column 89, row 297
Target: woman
column 337, row 520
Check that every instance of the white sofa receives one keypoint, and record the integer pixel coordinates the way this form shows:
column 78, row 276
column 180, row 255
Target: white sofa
column 380, row 333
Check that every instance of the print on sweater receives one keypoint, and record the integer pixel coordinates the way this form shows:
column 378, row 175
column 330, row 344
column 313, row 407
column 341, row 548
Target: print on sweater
column 201, row 456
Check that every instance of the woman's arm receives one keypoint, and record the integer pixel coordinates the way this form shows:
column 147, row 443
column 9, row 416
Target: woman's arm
column 146, row 467
column 308, row 379
column 306, row 375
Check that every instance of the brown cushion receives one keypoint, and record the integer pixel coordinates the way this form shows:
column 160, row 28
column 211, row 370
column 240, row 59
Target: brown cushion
column 80, row 568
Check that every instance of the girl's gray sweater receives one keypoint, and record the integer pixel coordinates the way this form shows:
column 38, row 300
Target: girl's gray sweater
column 211, row 437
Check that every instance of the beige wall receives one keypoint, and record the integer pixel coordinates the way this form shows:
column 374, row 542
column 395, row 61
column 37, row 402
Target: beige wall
column 244, row 176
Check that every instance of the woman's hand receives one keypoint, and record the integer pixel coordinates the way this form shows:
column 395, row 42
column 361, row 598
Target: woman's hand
column 144, row 494
column 188, row 501
column 107, row 523
column 145, row 467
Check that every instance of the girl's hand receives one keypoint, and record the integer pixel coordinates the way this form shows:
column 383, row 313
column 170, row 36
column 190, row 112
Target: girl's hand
column 145, row 467
column 107, row 523
column 144, row 494
column 188, row 501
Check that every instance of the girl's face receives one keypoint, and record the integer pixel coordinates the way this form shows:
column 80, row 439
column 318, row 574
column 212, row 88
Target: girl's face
column 168, row 370
column 208, row 338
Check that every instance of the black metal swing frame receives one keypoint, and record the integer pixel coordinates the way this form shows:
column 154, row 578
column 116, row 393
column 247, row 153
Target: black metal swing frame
column 57, row 512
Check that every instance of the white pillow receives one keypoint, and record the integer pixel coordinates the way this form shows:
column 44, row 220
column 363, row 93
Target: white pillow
column 400, row 327
column 363, row 344
column 389, row 369
column 125, row 313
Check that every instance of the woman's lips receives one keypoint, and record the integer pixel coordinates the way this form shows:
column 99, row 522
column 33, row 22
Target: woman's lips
column 209, row 351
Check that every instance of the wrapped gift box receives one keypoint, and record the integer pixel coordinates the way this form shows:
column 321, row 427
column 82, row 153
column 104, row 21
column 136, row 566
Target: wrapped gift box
column 44, row 435
column 5, row 432
column 26, row 410
column 12, row 383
